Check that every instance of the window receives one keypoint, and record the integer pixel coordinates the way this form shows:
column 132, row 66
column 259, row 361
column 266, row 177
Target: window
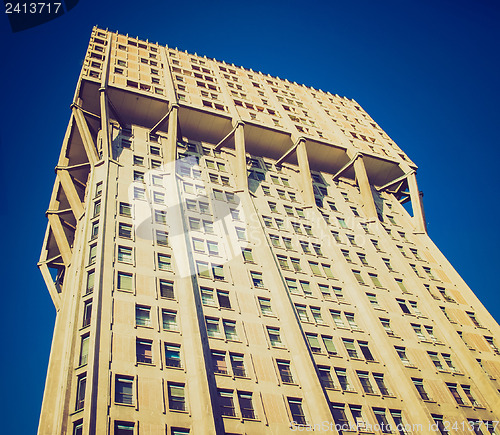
column 125, row 254
column 274, row 336
column 80, row 391
column 87, row 313
column 97, row 208
column 212, row 327
column 124, row 230
column 246, row 406
column 226, row 403
column 90, row 281
column 492, row 345
column 142, row 315
column 419, row 385
column 237, row 364
column 329, row 345
column 166, row 289
column 473, row 318
column 230, row 329
column 401, row 285
column 124, row 428
column 219, row 362
column 398, row 420
column 257, row 279
column 125, row 281
column 467, row 390
column 438, row 420
column 84, row 350
column 379, row 380
column 160, row 217
column 176, row 397
column 98, row 189
column 285, row 371
column 240, row 234
column 351, row 321
column 144, row 351
column 124, row 387
column 247, row 255
column 296, row 264
column 295, row 406
column 454, row 392
column 92, row 254
column 78, row 427
column 357, row 275
column 337, row 318
column 164, row 262
column 350, row 348
column 382, row 420
column 172, row 355
column 403, row 306
column 316, row 313
column 139, row 193
column 365, row 350
column 302, row 312
column 343, row 380
column 375, row 280
column 315, row 268
column 94, row 232
column 373, row 300
column 161, row 238
column 169, row 320
column 364, row 379
column 265, row 306
column 401, row 351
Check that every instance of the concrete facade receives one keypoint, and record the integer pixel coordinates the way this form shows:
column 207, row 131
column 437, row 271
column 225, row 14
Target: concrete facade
column 228, row 253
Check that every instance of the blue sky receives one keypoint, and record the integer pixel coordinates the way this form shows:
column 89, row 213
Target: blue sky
column 426, row 71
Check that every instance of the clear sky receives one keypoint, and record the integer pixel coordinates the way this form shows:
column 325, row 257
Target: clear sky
column 425, row 70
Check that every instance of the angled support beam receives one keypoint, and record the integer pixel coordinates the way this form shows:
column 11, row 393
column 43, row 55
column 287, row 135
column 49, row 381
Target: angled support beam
column 87, row 140
column 173, row 131
column 161, row 121
column 60, row 236
column 287, row 154
column 47, row 277
column 404, row 199
column 49, row 260
column 241, row 156
column 396, row 180
column 115, row 113
column 66, row 210
column 69, row 168
column 71, row 193
column 305, row 172
column 227, row 136
column 364, row 187
column 346, row 166
column 86, row 112
column 416, row 203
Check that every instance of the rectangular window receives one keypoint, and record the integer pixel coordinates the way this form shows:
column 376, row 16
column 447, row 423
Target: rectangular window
column 238, row 364
column 226, row 403
column 124, row 428
column 382, row 420
column 161, row 238
column 350, row 348
column 379, row 380
column 172, row 355
column 364, row 379
column 80, row 391
column 246, row 405
column 329, row 345
column 144, row 351
column 176, row 397
column 257, row 279
column 230, row 329
column 164, row 262
column 84, row 350
column 169, row 320
column 313, row 341
column 142, row 315
column 219, row 362
column 295, row 406
column 365, row 350
column 274, row 336
column 124, row 388
column 125, row 254
column 92, row 254
column 87, row 313
column 343, row 380
column 285, row 371
column 325, row 377
column 125, row 281
column 90, row 281
column 419, row 385
column 212, row 327
column 125, row 230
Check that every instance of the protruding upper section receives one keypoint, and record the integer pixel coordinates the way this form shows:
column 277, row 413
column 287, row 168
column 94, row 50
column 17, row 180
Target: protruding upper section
column 275, row 111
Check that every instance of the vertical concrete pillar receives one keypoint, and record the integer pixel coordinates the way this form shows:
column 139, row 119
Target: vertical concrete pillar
column 416, row 203
column 241, row 159
column 365, row 188
column 305, row 173
column 170, row 152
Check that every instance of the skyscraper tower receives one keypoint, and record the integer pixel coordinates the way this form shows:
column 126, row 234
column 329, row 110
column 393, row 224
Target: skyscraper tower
column 228, row 253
